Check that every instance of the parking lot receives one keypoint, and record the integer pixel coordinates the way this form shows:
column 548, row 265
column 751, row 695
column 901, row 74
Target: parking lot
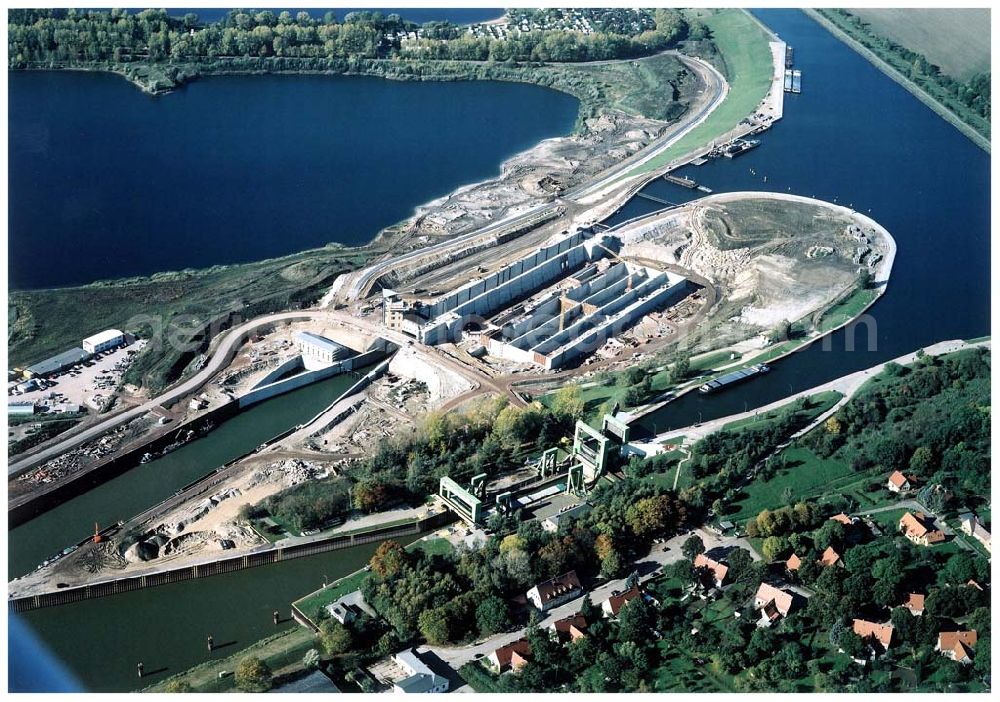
column 88, row 384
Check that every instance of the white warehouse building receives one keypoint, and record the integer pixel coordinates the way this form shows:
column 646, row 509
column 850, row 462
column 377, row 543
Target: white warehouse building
column 319, row 348
column 103, row 341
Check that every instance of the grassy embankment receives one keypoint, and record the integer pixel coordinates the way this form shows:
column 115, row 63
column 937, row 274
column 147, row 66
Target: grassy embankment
column 744, row 58
column 926, row 88
column 807, row 475
column 283, row 652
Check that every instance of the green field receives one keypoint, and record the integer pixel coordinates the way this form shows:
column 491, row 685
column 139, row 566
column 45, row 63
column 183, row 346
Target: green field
column 168, row 307
column 808, row 476
column 282, row 652
column 847, row 309
column 956, row 40
column 818, row 404
column 746, row 63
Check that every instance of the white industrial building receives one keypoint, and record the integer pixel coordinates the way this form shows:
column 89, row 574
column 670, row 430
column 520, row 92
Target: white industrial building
column 103, row 341
column 561, row 302
column 319, row 348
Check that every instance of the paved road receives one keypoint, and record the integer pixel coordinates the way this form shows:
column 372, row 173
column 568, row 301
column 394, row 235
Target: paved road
column 646, row 567
column 222, row 354
column 216, row 362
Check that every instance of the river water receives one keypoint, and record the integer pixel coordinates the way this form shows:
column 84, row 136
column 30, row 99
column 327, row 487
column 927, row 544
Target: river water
column 852, row 135
column 107, row 182
column 855, row 136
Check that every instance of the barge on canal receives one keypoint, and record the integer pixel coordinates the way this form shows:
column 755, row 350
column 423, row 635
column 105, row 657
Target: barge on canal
column 738, row 376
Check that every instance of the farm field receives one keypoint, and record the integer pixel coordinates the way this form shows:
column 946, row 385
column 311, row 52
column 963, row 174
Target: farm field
column 956, row 40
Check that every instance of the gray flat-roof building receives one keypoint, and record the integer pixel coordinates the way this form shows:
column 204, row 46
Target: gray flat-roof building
column 60, row 362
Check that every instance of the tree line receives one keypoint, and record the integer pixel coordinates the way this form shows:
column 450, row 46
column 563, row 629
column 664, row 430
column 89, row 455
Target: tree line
column 40, row 36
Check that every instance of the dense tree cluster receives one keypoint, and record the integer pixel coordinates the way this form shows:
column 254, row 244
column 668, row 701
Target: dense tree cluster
column 40, row 36
column 309, row 505
column 490, row 438
column 931, row 419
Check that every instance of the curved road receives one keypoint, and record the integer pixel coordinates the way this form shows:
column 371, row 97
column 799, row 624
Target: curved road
column 716, row 88
column 220, row 357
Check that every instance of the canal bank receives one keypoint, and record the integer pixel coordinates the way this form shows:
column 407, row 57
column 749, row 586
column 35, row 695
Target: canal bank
column 147, row 484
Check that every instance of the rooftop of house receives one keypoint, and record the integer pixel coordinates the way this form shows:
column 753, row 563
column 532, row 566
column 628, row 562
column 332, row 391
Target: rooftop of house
column 504, row 654
column 717, row 568
column 914, row 602
column 957, row 642
column 843, row 519
column 830, row 557
column 918, row 525
column 559, row 586
column 870, row 630
column 617, row 600
column 768, row 593
column 793, row 562
column 898, row 479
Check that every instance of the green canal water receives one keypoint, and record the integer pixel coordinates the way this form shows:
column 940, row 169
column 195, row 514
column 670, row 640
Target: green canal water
column 166, row 627
column 147, row 484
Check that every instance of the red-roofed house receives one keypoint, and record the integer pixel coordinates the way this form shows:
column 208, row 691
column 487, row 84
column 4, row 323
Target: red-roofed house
column 844, row 519
column 793, row 563
column 513, row 656
column 554, row 592
column 900, row 483
column 717, row 569
column 918, row 528
column 613, row 605
column 830, row 557
column 571, row 628
column 914, row 603
column 773, row 604
column 874, row 634
column 957, row 645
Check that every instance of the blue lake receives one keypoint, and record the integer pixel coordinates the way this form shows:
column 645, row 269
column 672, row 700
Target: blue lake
column 107, row 182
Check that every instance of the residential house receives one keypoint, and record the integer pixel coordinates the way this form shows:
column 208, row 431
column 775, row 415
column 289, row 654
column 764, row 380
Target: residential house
column 971, row 525
column 973, row 583
column 830, row 557
column 900, row 483
column 571, row 628
column 915, row 603
column 513, row 656
column 554, row 592
column 707, row 565
column 773, row 604
column 793, row 563
column 957, row 645
column 877, row 636
column 919, row 529
column 844, row 519
column 613, row 605
column 420, row 678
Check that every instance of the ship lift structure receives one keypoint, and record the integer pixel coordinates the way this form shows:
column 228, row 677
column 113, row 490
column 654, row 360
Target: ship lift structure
column 593, row 454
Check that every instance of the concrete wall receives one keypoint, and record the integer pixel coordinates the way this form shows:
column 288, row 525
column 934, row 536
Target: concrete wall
column 280, row 387
column 471, row 290
column 291, row 364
